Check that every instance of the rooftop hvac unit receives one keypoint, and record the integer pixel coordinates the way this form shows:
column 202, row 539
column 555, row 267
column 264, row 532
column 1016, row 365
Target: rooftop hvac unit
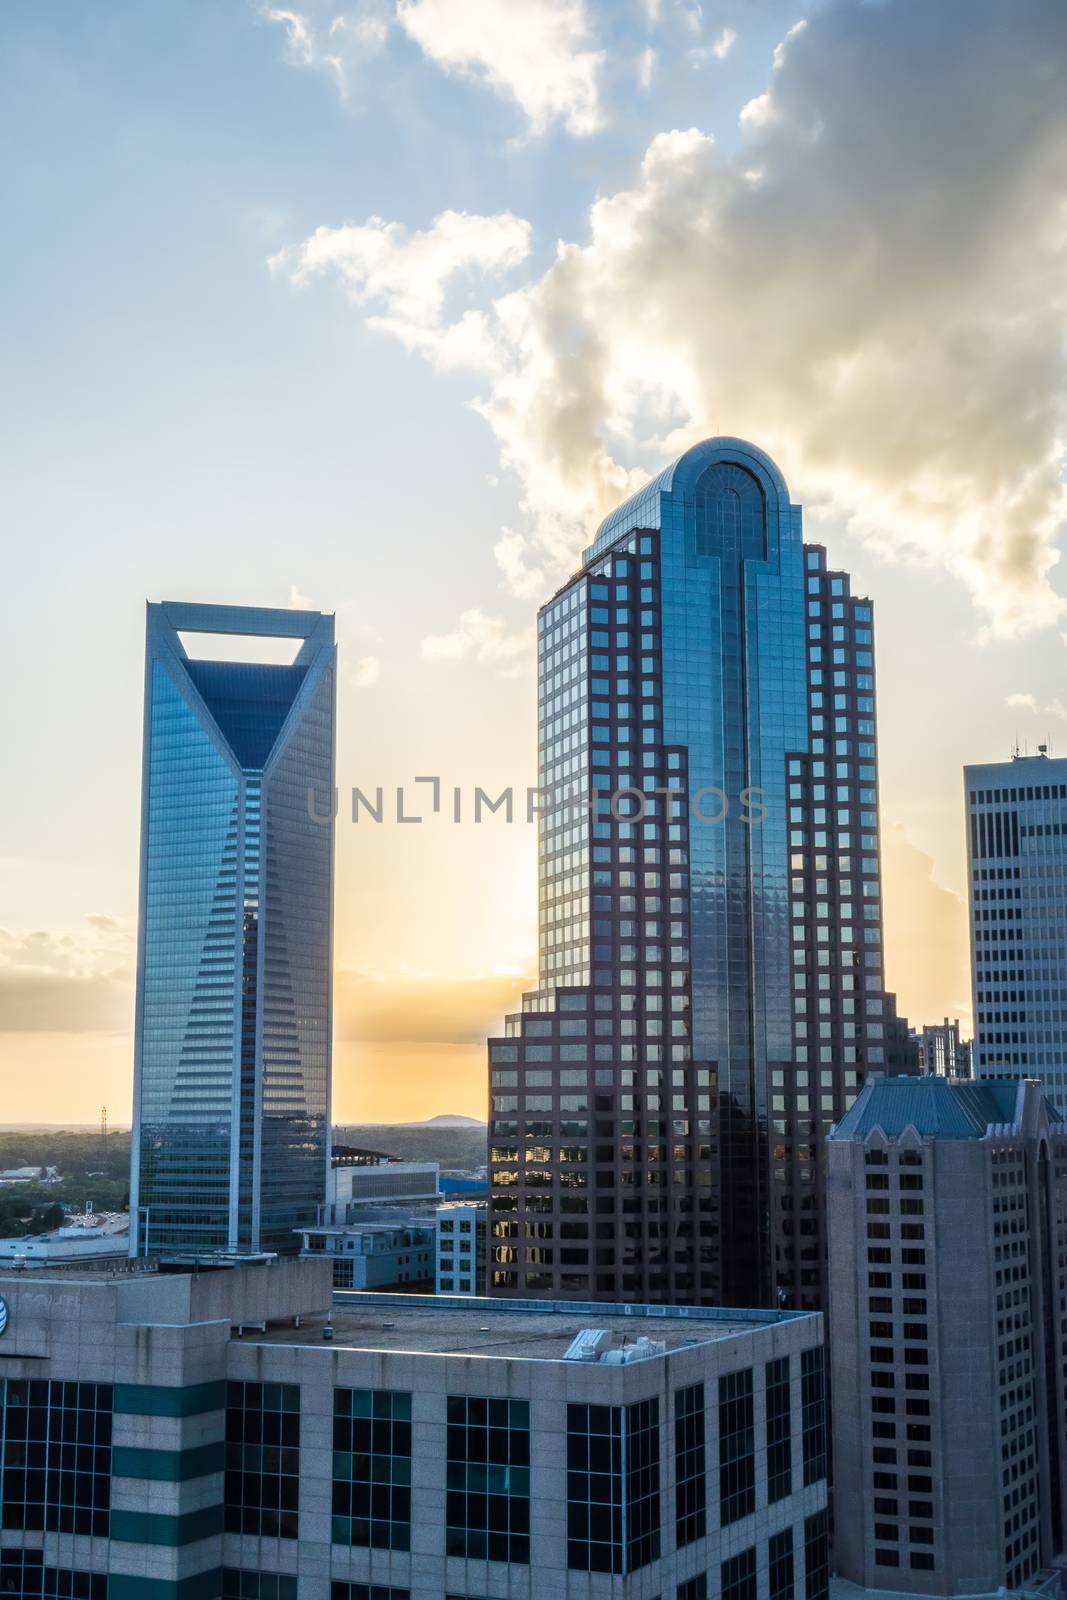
column 585, row 1346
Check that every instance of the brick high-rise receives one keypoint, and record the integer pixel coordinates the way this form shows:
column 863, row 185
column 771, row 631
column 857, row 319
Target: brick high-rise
column 711, row 986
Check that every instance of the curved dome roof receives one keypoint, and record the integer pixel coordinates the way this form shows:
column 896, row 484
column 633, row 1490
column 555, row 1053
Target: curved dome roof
column 642, row 509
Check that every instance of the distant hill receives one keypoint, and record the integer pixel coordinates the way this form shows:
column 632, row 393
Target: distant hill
column 448, row 1120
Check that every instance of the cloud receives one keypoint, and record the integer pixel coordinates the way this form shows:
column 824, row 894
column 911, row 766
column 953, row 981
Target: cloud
column 426, row 1010
column 535, row 52
column 646, row 63
column 724, row 43
column 1029, row 702
column 408, row 274
column 68, row 982
column 334, row 46
column 480, row 638
column 871, row 286
column 367, row 671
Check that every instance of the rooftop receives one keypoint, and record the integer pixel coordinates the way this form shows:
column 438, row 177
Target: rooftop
column 527, row 1330
column 934, row 1106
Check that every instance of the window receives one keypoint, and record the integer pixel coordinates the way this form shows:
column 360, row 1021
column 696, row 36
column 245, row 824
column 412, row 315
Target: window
column 238, row 1585
column 487, row 1507
column 55, row 1444
column 613, row 1517
column 262, row 1458
column 690, row 1464
column 22, row 1573
column 813, row 1414
column 816, row 1557
column 695, row 1588
column 594, row 1489
column 367, row 1591
column 780, row 1564
column 642, row 1529
column 739, row 1577
column 372, row 1468
column 737, row 1465
column 779, row 1431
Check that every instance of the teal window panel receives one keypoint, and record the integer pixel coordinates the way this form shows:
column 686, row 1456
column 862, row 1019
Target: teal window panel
column 168, row 1400
column 200, row 1586
column 168, row 1466
column 149, row 1527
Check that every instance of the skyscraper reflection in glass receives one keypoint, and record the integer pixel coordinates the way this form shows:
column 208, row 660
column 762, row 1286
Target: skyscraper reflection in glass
column 234, row 972
column 710, row 990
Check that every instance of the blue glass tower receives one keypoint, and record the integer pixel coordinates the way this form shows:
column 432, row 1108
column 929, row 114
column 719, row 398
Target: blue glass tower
column 710, row 987
column 234, row 972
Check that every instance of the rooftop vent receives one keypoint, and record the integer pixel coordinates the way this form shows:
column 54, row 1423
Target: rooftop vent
column 585, row 1346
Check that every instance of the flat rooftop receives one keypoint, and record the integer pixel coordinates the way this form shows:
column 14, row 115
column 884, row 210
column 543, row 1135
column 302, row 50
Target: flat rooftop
column 526, row 1330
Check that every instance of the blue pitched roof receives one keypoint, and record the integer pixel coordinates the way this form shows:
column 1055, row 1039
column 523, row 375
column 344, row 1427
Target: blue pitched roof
column 249, row 701
column 934, row 1106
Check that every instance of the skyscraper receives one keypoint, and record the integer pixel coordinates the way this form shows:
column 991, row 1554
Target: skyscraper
column 1017, row 877
column 711, row 990
column 948, row 1230
column 234, row 968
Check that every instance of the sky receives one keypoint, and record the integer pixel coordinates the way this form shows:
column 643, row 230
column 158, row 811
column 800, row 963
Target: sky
column 378, row 308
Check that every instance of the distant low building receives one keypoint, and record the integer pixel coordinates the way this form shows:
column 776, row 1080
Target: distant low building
column 942, row 1051
column 360, row 1177
column 461, row 1235
column 97, row 1236
column 371, row 1254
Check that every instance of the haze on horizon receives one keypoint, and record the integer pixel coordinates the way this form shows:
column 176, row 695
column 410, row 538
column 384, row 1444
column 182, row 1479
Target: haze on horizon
column 378, row 307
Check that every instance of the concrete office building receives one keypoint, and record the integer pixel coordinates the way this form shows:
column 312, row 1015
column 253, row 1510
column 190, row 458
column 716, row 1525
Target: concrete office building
column 1017, row 876
column 711, row 976
column 360, row 1179
column 382, row 1250
column 948, row 1309
column 181, row 1437
column 234, row 965
column 460, row 1233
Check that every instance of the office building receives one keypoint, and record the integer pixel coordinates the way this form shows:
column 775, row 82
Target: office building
column 711, row 984
column 90, row 1236
column 234, row 966
column 1017, row 876
column 359, row 1179
column 943, row 1051
column 381, row 1248
column 195, row 1435
column 461, row 1254
column 948, row 1242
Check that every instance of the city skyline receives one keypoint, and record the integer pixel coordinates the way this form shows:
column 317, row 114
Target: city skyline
column 361, row 336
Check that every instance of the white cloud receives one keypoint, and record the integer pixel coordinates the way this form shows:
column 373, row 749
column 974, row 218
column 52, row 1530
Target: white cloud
column 724, row 43
column 336, row 46
column 535, row 52
column 480, row 638
column 876, row 297
column 646, row 63
column 367, row 671
column 298, row 601
column 408, row 274
column 1024, row 702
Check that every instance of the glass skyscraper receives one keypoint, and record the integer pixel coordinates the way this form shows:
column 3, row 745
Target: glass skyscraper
column 711, row 988
column 1017, row 874
column 234, row 970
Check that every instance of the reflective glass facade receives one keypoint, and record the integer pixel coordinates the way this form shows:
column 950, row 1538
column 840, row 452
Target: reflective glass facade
column 710, row 985
column 234, row 962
